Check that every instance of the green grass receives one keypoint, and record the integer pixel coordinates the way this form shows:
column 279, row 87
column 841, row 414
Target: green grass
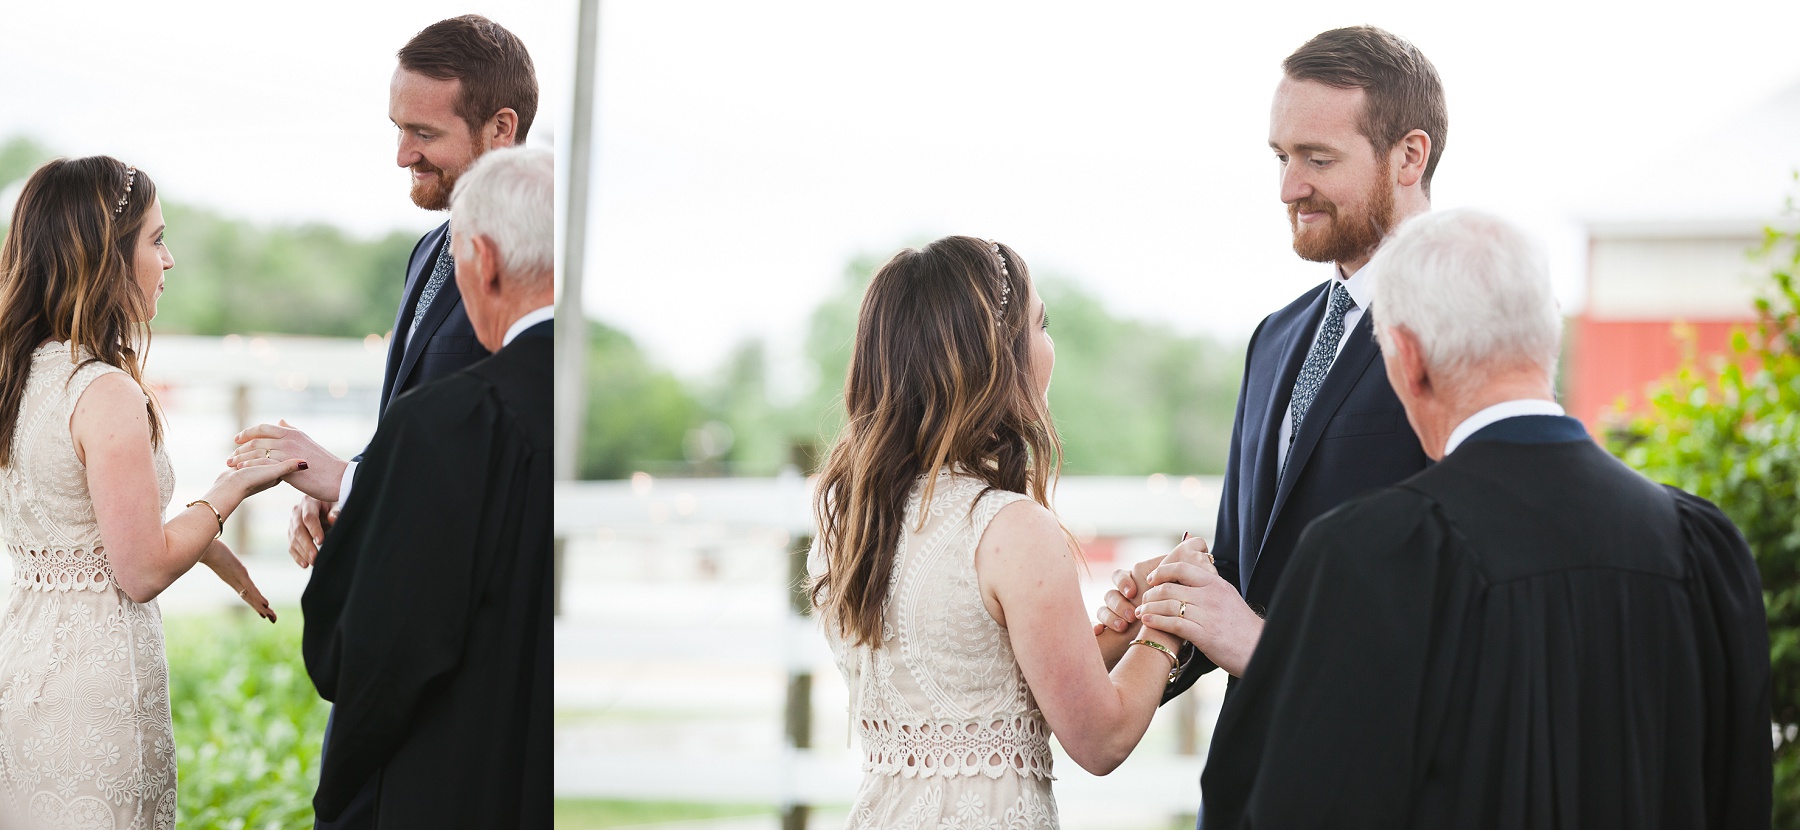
column 247, row 721
column 592, row 814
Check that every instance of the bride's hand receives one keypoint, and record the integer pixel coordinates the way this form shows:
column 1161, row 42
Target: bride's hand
column 1119, row 611
column 249, row 479
column 231, row 571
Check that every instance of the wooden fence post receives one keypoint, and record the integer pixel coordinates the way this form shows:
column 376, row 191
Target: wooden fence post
column 799, row 691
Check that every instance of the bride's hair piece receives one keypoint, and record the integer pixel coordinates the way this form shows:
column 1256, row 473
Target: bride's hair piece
column 130, row 179
column 1005, row 277
column 66, row 273
column 940, row 379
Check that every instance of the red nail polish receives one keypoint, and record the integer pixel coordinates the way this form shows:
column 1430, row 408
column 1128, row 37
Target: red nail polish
column 302, row 465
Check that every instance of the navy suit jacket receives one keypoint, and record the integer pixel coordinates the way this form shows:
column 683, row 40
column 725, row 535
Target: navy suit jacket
column 445, row 341
column 1355, row 439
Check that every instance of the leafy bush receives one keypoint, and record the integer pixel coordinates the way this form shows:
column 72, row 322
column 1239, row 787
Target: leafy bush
column 1730, row 433
column 248, row 723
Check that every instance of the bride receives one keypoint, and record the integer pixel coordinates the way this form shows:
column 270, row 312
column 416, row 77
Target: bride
column 948, row 589
column 85, row 734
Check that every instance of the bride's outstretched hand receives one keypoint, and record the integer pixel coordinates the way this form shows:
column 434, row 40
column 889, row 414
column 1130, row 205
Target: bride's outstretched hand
column 265, row 444
column 231, row 571
column 252, row 478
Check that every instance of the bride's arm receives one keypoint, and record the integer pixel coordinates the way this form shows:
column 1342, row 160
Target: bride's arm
column 1029, row 580
column 111, row 432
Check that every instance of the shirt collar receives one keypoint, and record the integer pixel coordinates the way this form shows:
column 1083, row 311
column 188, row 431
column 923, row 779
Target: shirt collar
column 1361, row 284
column 531, row 318
column 1498, row 412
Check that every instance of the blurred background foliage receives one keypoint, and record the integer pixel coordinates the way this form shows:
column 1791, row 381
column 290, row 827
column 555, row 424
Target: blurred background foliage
column 1129, row 397
column 233, row 276
column 1729, row 431
column 247, row 721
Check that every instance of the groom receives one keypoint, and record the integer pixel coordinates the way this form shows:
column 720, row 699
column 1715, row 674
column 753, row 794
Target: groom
column 1358, row 126
column 428, row 614
column 464, row 86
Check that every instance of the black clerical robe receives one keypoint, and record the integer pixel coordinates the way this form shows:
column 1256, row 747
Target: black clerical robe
column 428, row 613
column 1527, row 635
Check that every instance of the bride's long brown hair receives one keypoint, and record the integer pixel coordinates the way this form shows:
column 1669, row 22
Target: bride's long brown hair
column 940, row 378
column 66, row 273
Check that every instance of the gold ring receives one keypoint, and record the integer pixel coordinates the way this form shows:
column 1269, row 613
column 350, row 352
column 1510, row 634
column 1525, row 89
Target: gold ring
column 1182, row 611
column 267, row 453
column 242, row 592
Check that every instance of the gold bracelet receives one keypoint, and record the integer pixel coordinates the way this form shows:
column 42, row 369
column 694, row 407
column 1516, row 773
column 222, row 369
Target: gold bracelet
column 1162, row 648
column 216, row 515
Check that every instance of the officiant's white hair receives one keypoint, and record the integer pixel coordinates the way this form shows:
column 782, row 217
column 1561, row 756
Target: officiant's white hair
column 1474, row 290
column 508, row 196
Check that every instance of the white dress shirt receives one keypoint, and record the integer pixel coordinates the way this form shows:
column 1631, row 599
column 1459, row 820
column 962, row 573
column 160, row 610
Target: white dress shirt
column 1361, row 286
column 1498, row 412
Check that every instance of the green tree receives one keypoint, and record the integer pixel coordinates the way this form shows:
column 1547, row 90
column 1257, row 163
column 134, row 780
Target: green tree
column 231, row 276
column 235, row 276
column 639, row 416
column 18, row 157
column 1129, row 397
column 1730, row 433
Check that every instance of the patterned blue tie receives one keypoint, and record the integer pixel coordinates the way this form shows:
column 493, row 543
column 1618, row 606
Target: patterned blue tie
column 1318, row 363
column 446, row 265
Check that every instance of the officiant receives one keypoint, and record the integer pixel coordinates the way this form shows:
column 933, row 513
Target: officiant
column 428, row 614
column 1527, row 634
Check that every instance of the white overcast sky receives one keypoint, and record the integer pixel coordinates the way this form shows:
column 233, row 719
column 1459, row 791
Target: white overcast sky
column 748, row 150
column 275, row 112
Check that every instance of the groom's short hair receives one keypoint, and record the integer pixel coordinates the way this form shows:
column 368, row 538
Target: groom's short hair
column 495, row 70
column 1403, row 89
column 508, row 196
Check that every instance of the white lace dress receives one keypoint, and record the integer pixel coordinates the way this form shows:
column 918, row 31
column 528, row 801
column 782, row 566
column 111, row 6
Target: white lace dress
column 951, row 736
column 85, row 735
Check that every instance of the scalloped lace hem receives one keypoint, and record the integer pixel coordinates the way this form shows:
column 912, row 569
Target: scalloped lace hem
column 60, row 570
column 990, row 747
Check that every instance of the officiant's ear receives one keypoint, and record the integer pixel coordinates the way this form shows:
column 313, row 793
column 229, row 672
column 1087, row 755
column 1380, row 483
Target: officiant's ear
column 1404, row 360
column 486, row 259
column 501, row 129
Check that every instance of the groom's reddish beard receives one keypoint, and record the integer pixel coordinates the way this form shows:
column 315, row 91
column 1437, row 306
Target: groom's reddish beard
column 434, row 193
column 1348, row 236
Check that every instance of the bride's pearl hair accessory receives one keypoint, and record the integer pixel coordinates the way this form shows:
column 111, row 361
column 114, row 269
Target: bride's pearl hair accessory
column 1005, row 276
column 130, row 179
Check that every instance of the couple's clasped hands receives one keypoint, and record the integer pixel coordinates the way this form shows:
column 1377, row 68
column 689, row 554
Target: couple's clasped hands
column 273, row 444
column 1182, row 594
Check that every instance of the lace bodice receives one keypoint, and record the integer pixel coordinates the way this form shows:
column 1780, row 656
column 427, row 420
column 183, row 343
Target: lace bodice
column 46, row 516
column 943, row 697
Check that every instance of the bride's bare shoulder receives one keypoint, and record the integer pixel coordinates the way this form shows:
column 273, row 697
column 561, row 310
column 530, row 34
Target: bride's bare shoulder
column 1024, row 527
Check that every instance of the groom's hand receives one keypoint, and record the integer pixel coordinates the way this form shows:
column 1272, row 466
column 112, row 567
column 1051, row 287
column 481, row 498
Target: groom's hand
column 1189, row 599
column 274, row 443
column 306, row 529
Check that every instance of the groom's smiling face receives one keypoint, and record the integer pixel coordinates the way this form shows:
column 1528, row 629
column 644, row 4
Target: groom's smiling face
column 1339, row 191
column 435, row 143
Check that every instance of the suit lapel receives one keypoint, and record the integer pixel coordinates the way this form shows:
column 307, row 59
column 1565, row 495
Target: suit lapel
column 424, row 258
column 447, row 299
column 1359, row 351
column 1295, row 341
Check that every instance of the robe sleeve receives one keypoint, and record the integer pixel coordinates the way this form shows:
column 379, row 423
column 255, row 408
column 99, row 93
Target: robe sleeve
column 1733, row 633
column 1321, row 729
column 393, row 590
